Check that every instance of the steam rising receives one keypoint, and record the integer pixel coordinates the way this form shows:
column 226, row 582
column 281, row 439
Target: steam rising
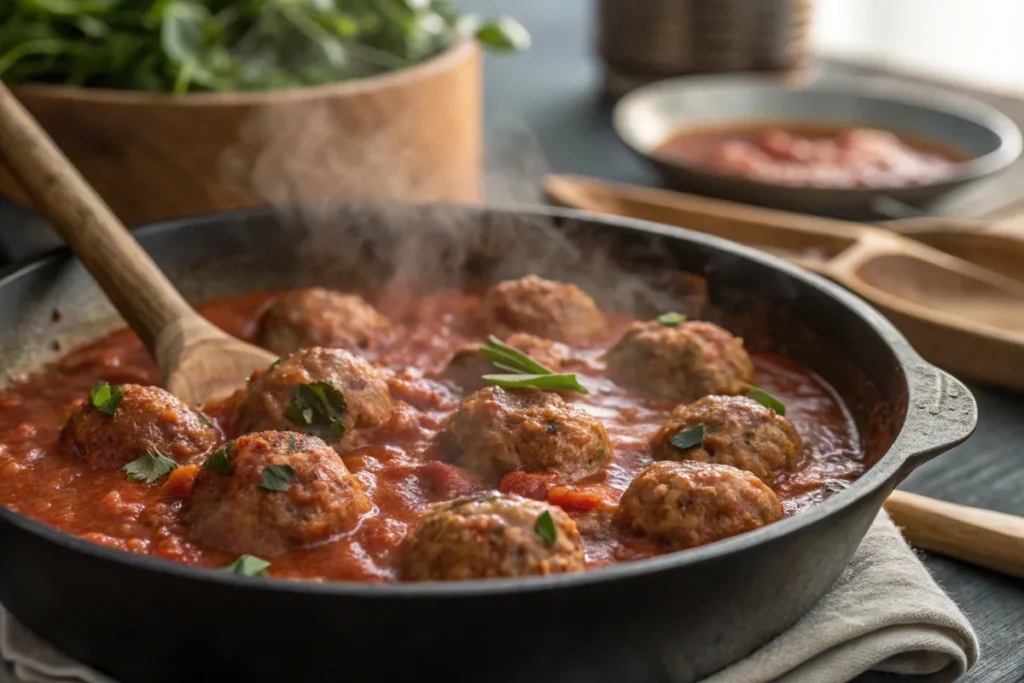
column 297, row 165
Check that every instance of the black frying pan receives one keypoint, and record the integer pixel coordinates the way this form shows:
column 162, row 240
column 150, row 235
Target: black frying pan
column 682, row 615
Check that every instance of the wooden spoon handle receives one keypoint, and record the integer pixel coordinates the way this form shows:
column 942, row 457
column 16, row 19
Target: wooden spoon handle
column 133, row 282
column 983, row 537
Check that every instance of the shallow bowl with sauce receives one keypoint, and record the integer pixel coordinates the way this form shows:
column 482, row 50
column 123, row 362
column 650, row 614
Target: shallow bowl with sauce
column 987, row 140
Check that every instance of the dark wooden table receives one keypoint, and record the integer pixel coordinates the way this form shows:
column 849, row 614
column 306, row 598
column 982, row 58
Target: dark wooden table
column 544, row 113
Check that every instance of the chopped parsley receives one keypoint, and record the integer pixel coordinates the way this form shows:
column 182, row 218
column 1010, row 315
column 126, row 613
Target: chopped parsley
column 688, row 438
column 276, row 477
column 106, row 398
column 247, row 565
column 220, row 459
column 671, row 319
column 149, row 467
column 767, row 400
column 318, row 408
column 546, row 528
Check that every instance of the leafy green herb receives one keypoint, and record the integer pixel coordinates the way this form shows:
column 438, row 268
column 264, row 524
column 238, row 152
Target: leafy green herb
column 524, row 371
column 106, row 398
column 247, row 565
column 686, row 439
column 181, row 46
column 319, row 408
column 276, row 477
column 149, row 467
column 291, row 442
column 671, row 319
column 202, row 418
column 555, row 382
column 220, row 459
column 546, row 528
column 767, row 400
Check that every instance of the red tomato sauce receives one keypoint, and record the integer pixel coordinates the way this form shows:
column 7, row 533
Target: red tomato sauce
column 812, row 155
column 392, row 462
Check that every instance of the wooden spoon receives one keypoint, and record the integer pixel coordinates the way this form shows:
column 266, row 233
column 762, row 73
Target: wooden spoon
column 198, row 362
column 959, row 315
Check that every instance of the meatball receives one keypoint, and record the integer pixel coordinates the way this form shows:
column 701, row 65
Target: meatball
column 275, row 397
column 468, row 365
column 491, row 535
column 555, row 310
column 267, row 493
column 145, row 419
column 498, row 430
column 683, row 362
column 738, row 431
column 685, row 504
column 320, row 317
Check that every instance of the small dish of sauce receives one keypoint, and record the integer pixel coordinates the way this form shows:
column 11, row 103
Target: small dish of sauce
column 839, row 157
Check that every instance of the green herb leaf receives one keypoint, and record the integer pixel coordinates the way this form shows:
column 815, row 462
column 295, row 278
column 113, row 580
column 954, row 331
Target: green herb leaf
column 276, row 477
column 106, row 398
column 149, row 467
column 503, row 35
column 554, row 382
column 767, row 400
column 220, row 459
column 686, row 439
column 202, row 418
column 671, row 319
column 247, row 565
column 318, row 408
column 510, row 358
column 291, row 442
column 545, row 527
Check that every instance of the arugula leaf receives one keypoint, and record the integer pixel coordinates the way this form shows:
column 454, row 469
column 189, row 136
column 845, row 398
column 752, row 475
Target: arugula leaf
column 685, row 439
column 545, row 528
column 220, row 460
column 247, row 565
column 318, row 408
column 276, row 477
column 149, row 467
column 106, row 398
column 767, row 400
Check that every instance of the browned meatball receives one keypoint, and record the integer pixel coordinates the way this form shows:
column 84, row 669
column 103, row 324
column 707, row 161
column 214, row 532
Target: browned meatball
column 683, row 362
column 685, row 504
column 497, row 430
column 146, row 419
column 468, row 365
column 555, row 310
column 491, row 535
column 738, row 431
column 271, row 492
column 279, row 397
column 320, row 317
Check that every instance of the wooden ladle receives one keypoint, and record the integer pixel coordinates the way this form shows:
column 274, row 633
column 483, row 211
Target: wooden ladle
column 198, row 362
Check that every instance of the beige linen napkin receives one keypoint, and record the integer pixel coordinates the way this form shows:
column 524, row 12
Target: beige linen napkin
column 885, row 614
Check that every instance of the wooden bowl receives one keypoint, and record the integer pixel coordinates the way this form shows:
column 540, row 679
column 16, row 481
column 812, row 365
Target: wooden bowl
column 411, row 135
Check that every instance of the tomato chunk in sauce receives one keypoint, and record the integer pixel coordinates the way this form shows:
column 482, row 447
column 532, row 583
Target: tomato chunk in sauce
column 396, row 463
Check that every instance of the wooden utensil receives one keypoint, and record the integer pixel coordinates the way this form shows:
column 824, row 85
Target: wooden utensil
column 198, row 362
column 983, row 537
column 960, row 315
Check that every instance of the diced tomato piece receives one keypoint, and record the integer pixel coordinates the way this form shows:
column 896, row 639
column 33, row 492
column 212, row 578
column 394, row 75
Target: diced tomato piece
column 529, row 484
column 447, row 481
column 180, row 481
column 572, row 498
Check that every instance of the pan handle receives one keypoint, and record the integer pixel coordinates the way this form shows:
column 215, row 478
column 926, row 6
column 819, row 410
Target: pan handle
column 941, row 414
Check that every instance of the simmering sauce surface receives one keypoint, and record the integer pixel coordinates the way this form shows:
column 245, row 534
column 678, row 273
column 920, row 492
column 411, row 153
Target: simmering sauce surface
column 393, row 462
column 812, row 155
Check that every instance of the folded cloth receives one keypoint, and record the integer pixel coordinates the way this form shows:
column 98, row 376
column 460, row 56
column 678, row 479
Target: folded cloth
column 885, row 613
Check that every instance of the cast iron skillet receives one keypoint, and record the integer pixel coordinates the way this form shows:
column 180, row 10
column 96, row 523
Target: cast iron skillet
column 675, row 617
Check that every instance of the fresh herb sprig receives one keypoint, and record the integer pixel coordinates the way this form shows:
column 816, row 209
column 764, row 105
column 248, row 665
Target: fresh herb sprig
column 767, row 400
column 688, row 438
column 106, row 398
column 523, row 371
column 247, row 565
column 545, row 528
column 149, row 467
column 185, row 46
column 318, row 408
